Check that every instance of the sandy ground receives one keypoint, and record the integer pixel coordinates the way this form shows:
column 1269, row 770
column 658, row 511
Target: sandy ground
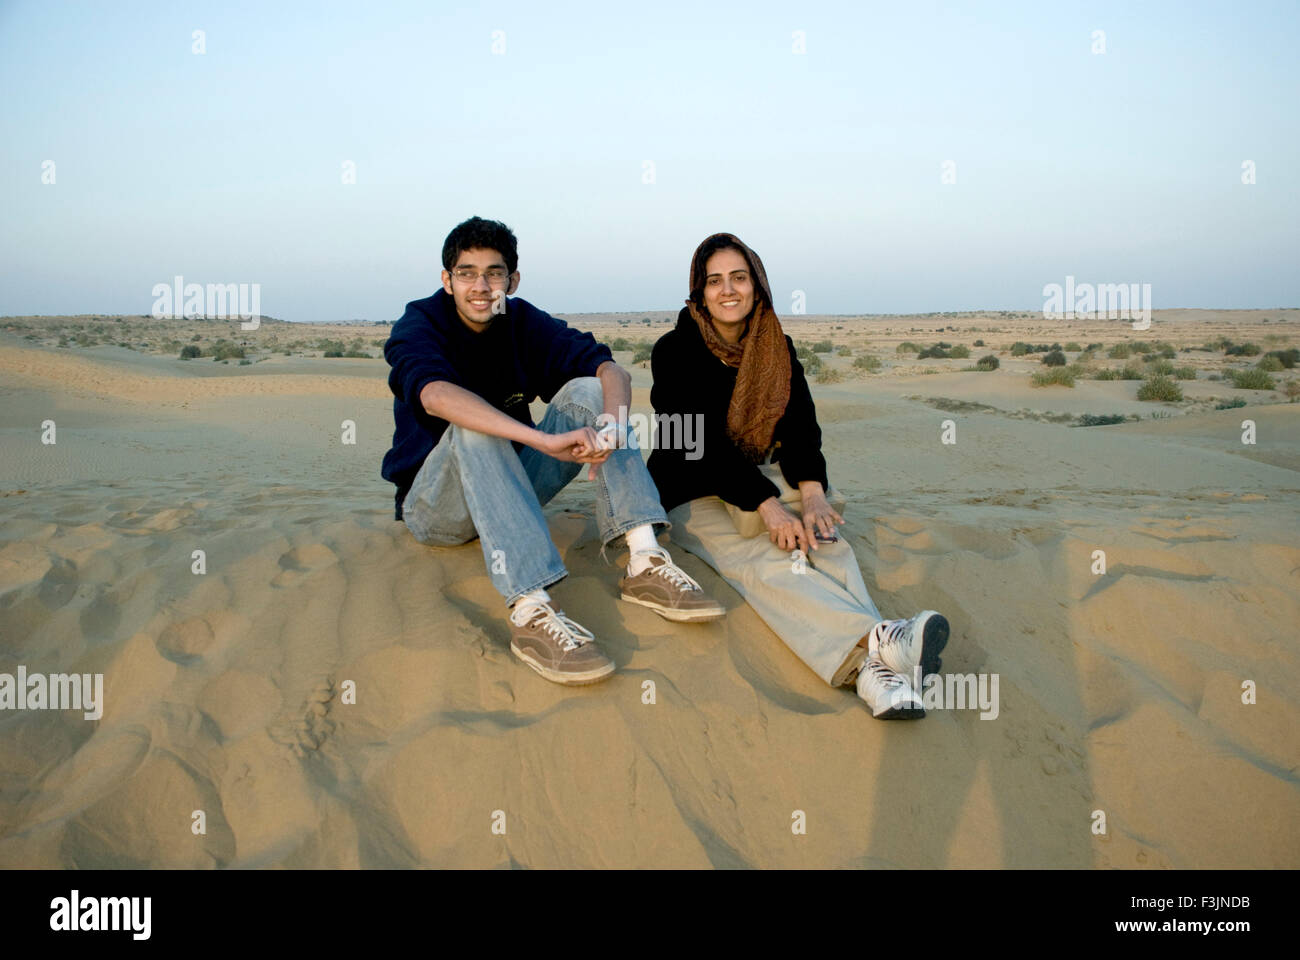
column 225, row 692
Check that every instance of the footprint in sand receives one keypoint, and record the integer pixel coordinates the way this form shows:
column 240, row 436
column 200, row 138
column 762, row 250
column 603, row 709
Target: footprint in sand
column 308, row 727
column 302, row 562
column 201, row 638
column 59, row 585
column 187, row 641
column 161, row 521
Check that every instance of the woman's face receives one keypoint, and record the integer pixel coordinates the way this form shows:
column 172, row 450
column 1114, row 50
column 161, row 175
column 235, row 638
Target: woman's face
column 728, row 290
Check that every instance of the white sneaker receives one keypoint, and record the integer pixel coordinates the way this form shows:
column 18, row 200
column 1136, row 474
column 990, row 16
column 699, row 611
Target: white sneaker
column 903, row 645
column 887, row 693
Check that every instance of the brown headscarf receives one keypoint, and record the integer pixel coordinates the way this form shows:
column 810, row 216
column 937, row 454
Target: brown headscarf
column 761, row 357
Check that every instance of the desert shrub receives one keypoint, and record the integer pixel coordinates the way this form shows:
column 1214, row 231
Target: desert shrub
column 1243, row 350
column 1020, row 348
column 936, row 351
column 823, row 346
column 1269, row 363
column 867, row 362
column 1054, row 358
column 190, row 352
column 844, row 352
column 1292, row 390
column 979, row 343
column 1251, row 379
column 1132, row 372
column 1106, row 375
column 1288, row 358
column 959, row 352
column 332, row 353
column 1185, row 373
column 829, row 375
column 1119, row 352
column 1099, row 420
column 1231, row 404
column 642, row 354
column 1141, row 347
column 619, row 344
column 986, row 363
column 225, row 350
column 1159, row 365
column 907, row 346
column 1072, row 346
column 245, row 363
column 1160, row 387
column 355, row 354
column 1055, row 377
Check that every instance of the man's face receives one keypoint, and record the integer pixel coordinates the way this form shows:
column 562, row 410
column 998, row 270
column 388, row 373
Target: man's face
column 728, row 288
column 479, row 284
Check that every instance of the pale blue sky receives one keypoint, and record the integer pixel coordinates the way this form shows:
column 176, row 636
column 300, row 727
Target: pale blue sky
column 226, row 166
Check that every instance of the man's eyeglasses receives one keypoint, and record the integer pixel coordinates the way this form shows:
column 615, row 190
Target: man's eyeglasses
column 495, row 275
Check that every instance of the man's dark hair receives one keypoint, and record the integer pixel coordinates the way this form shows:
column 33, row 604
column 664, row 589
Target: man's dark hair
column 477, row 232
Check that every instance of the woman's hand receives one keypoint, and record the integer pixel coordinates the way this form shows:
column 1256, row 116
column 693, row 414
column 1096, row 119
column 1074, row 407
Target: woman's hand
column 783, row 527
column 818, row 516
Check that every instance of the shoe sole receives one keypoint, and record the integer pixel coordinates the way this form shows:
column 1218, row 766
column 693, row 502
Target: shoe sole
column 680, row 616
column 933, row 640
column 565, row 679
column 901, row 713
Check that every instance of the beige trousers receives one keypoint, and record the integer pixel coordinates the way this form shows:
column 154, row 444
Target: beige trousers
column 819, row 605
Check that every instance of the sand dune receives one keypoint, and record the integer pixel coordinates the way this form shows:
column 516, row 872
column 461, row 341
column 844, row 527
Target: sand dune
column 227, row 692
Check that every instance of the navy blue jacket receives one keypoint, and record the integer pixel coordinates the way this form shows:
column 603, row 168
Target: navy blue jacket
column 524, row 354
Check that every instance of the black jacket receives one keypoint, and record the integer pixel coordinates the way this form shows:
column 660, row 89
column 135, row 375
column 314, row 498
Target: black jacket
column 688, row 379
column 524, row 354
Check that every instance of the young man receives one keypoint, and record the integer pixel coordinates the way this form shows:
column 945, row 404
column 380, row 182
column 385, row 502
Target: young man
column 468, row 461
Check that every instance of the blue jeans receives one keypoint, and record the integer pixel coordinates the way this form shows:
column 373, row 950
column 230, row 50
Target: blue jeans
column 474, row 485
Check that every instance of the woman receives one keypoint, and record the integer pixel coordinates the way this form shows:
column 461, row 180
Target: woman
column 729, row 361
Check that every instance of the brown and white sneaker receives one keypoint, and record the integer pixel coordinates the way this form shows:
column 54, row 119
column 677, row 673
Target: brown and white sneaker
column 669, row 591
column 558, row 648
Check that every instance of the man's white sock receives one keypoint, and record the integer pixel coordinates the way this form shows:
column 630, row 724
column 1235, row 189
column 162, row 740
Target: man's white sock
column 640, row 540
column 525, row 605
